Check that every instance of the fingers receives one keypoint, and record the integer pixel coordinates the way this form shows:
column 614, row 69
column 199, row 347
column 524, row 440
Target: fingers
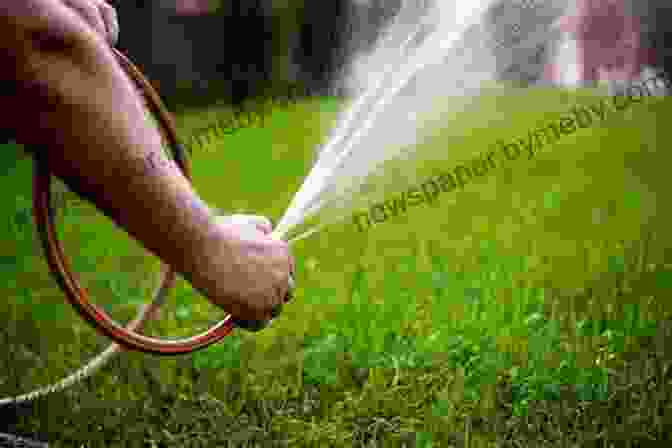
column 285, row 294
column 262, row 223
column 254, row 228
column 99, row 15
column 258, row 325
column 89, row 12
column 255, row 326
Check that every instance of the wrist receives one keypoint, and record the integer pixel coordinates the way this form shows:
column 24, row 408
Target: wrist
column 213, row 256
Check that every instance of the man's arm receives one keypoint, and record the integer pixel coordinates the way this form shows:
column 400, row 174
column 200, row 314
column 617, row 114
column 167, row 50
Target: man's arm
column 72, row 98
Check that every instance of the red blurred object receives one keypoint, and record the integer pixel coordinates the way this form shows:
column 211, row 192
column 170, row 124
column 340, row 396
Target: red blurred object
column 608, row 42
column 193, row 7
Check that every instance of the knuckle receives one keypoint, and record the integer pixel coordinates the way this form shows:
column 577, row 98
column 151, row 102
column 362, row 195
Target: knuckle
column 37, row 20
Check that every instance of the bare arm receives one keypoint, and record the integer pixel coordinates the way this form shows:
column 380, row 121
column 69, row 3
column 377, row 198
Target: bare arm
column 72, row 98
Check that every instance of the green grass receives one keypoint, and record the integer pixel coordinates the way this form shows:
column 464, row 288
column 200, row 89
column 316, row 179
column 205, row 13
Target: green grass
column 537, row 291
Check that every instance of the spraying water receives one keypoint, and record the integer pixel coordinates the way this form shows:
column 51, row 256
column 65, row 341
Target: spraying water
column 430, row 63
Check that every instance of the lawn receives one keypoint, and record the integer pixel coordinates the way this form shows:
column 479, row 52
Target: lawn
column 528, row 308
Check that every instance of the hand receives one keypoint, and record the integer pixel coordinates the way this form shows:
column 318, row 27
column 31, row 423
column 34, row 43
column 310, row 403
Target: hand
column 262, row 270
column 101, row 16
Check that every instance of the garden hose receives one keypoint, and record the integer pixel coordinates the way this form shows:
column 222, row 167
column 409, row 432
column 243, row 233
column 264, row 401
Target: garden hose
column 124, row 337
column 127, row 337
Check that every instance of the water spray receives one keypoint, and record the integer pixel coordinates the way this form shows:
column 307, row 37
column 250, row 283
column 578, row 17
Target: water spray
column 438, row 49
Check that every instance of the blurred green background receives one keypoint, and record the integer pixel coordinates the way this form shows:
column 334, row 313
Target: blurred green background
column 546, row 274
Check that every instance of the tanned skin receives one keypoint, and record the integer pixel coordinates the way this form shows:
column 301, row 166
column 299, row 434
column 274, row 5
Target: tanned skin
column 64, row 92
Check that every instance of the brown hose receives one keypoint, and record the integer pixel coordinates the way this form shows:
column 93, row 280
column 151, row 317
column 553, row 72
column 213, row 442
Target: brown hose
column 128, row 337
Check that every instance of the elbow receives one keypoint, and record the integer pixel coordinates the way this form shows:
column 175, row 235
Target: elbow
column 34, row 32
column 44, row 50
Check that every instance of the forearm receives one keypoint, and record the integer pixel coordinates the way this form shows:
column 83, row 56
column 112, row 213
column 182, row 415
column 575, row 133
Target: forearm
column 96, row 138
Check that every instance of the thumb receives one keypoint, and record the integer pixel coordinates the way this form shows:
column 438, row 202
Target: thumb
column 261, row 223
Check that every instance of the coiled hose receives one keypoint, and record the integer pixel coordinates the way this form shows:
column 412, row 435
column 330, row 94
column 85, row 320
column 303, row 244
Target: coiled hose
column 123, row 337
